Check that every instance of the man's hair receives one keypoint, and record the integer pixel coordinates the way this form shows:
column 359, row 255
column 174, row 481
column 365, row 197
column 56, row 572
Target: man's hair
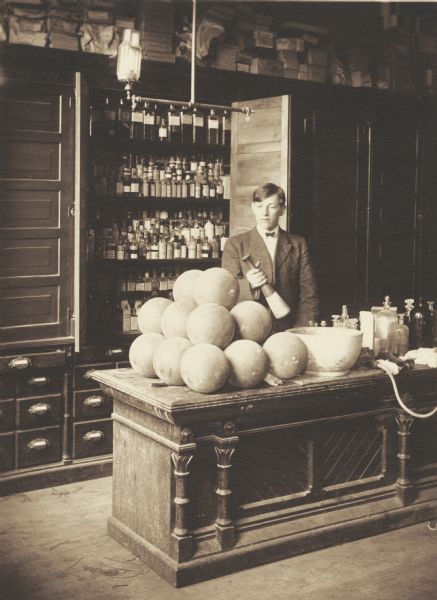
column 267, row 190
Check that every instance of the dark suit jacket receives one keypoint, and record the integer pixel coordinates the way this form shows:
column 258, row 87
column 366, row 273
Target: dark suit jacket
column 292, row 275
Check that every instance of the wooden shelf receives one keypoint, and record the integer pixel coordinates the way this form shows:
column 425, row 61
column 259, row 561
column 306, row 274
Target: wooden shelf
column 143, row 263
column 117, row 144
column 162, row 201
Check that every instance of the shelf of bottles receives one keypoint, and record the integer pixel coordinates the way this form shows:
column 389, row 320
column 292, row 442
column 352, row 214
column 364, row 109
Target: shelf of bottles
column 158, row 204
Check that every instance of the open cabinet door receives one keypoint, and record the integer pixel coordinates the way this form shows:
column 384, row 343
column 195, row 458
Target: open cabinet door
column 260, row 148
column 81, row 135
column 36, row 223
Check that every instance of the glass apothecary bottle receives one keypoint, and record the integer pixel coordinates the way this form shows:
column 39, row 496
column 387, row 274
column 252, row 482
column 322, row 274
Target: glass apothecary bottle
column 401, row 343
column 420, row 326
column 386, row 322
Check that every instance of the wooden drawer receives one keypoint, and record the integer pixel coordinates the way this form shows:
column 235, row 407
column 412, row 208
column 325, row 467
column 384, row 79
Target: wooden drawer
column 103, row 353
column 39, row 411
column 7, row 452
column 91, row 405
column 92, row 438
column 7, row 385
column 41, row 360
column 82, row 382
column 38, row 446
column 7, row 410
column 39, row 383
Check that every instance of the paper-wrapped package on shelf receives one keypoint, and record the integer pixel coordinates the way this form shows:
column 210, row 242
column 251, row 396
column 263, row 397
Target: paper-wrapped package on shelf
column 226, row 57
column 62, row 28
column 156, row 30
column 317, row 73
column 27, row 26
column 264, row 66
column 98, row 39
column 290, row 43
column 289, row 58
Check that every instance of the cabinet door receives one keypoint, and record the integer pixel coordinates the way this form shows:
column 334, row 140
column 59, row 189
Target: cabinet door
column 396, row 193
column 330, row 207
column 259, row 154
column 36, row 228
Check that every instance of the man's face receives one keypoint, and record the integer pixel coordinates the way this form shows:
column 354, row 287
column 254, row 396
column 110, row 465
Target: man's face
column 267, row 212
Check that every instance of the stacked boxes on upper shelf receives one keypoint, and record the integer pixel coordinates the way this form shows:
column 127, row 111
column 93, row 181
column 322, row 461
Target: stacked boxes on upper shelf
column 157, row 30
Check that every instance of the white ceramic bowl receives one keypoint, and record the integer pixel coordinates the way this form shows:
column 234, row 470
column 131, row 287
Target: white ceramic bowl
column 332, row 351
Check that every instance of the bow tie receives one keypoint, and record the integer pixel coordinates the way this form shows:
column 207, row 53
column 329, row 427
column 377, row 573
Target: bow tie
column 271, row 234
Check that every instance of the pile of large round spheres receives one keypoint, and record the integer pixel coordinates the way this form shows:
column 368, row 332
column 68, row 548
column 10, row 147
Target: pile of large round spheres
column 205, row 338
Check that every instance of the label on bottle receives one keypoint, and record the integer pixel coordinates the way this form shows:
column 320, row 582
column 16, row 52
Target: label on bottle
column 212, row 123
column 133, row 323
column 198, row 121
column 184, row 251
column 137, row 117
column 149, row 119
column 162, row 132
column 174, row 120
column 186, row 119
column 135, row 187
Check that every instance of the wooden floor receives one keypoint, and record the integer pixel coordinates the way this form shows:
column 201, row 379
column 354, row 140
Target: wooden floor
column 54, row 546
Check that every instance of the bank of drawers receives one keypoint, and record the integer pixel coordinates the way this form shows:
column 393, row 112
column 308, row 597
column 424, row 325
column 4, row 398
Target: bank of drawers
column 92, row 425
column 31, row 409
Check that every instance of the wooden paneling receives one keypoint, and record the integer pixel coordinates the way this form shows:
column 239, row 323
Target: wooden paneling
column 28, row 307
column 259, row 155
column 29, row 160
column 29, row 257
column 22, row 209
column 7, row 454
column 7, row 410
column 31, row 113
column 36, row 224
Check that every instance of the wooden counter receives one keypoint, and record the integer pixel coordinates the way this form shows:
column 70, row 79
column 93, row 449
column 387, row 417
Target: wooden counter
column 204, row 485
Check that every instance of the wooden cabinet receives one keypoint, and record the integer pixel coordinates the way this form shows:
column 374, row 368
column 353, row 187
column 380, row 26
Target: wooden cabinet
column 36, row 228
column 359, row 182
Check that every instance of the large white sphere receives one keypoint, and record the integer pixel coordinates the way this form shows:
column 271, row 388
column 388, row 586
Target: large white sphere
column 141, row 353
column 252, row 321
column 216, row 285
column 174, row 318
column 149, row 315
column 204, row 368
column 210, row 324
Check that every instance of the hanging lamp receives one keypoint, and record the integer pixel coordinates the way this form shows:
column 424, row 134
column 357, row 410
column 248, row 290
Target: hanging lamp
column 129, row 68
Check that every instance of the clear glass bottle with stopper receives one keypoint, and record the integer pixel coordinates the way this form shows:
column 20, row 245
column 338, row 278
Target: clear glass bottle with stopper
column 400, row 346
column 386, row 322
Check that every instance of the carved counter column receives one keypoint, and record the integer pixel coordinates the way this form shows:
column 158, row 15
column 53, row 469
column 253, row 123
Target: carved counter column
column 225, row 529
column 404, row 484
column 181, row 536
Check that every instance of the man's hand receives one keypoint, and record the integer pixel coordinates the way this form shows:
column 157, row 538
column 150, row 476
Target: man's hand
column 256, row 278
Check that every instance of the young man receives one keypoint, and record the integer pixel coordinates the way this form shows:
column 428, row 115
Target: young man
column 282, row 259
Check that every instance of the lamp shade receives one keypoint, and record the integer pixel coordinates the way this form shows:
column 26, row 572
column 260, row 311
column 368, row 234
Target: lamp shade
column 129, row 57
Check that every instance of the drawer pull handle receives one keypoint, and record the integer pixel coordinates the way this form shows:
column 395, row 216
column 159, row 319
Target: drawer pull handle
column 39, row 409
column 21, row 362
column 93, row 401
column 38, row 381
column 38, row 444
column 93, row 436
column 114, row 352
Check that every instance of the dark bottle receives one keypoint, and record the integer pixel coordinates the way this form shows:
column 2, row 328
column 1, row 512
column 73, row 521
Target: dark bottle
column 163, row 130
column 149, row 123
column 198, row 130
column 124, row 117
column 212, row 128
column 225, row 129
column 109, row 119
column 136, row 123
column 174, row 125
column 186, row 125
column 420, row 326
